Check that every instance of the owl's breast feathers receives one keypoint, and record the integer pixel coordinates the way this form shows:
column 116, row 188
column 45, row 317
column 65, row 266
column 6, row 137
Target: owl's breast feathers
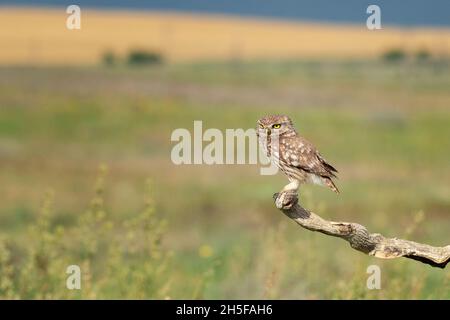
column 296, row 152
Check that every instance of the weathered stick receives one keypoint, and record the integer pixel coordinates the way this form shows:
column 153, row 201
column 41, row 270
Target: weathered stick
column 358, row 236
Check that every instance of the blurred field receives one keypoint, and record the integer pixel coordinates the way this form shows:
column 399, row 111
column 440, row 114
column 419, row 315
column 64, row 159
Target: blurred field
column 39, row 37
column 386, row 127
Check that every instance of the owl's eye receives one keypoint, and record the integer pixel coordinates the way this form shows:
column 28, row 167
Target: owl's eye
column 261, row 126
column 276, row 126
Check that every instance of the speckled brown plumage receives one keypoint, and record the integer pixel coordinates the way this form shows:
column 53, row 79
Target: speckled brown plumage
column 293, row 154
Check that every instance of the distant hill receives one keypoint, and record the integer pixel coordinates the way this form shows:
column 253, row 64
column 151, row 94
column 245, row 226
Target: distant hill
column 398, row 12
column 39, row 36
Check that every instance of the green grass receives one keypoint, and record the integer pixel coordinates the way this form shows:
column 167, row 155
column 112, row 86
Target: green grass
column 386, row 127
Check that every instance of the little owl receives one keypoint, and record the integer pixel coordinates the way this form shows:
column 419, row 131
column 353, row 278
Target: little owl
column 293, row 154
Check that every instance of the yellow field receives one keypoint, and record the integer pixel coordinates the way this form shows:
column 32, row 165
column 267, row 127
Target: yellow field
column 39, row 36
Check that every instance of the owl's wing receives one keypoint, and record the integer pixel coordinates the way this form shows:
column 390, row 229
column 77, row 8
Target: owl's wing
column 302, row 154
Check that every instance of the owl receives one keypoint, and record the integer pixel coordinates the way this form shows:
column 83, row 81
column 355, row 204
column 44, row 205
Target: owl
column 293, row 154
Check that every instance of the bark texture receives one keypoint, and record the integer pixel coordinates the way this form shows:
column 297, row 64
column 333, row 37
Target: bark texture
column 359, row 237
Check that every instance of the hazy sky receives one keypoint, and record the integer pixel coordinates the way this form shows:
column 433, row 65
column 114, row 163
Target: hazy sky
column 401, row 12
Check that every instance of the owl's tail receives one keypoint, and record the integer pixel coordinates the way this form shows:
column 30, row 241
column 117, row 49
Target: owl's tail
column 330, row 184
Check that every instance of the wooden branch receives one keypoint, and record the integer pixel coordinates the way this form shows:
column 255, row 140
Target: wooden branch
column 358, row 236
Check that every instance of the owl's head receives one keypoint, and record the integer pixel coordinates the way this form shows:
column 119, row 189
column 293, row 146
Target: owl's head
column 275, row 125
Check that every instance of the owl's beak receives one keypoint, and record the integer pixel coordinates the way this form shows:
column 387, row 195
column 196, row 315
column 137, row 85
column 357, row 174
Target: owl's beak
column 268, row 132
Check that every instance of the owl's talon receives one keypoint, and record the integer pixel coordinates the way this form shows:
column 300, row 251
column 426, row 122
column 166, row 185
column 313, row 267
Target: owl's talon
column 285, row 200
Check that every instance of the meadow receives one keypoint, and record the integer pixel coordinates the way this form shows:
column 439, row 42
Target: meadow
column 86, row 179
